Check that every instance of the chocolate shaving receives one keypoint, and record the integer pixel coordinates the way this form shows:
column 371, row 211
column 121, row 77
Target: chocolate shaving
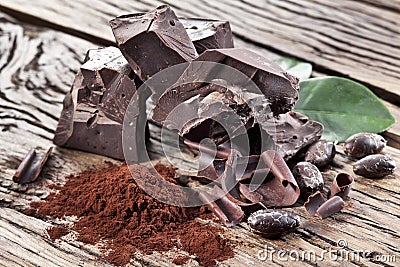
column 226, row 210
column 318, row 205
column 279, row 189
column 341, row 185
column 31, row 166
column 220, row 152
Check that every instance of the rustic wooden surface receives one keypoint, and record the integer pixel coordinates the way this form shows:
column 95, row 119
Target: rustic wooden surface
column 359, row 39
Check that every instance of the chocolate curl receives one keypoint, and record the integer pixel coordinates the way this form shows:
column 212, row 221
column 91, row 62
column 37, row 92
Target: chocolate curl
column 212, row 172
column 278, row 191
column 220, row 152
column 226, row 210
column 317, row 205
column 31, row 166
column 341, row 185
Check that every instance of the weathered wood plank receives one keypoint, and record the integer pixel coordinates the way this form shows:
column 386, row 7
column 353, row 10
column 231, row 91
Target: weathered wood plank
column 350, row 38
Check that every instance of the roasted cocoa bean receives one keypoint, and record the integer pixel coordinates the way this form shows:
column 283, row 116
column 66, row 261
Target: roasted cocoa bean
column 375, row 166
column 308, row 177
column 364, row 144
column 320, row 153
column 273, row 223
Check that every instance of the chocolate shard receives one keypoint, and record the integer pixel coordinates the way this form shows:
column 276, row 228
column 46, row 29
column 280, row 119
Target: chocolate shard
column 341, row 185
column 291, row 132
column 317, row 205
column 31, row 166
column 208, row 34
column 279, row 87
column 279, row 189
column 226, row 210
column 152, row 41
column 94, row 109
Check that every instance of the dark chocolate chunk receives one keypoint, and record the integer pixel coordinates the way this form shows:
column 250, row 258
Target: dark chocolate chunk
column 208, row 34
column 279, row 87
column 320, row 153
column 364, row 144
column 102, row 66
column 278, row 190
column 317, row 205
column 94, row 109
column 273, row 223
column 226, row 210
column 196, row 112
column 152, row 41
column 375, row 166
column 308, row 177
column 341, row 185
column 31, row 166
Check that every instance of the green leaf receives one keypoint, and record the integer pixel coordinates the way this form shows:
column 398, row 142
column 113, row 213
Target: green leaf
column 344, row 107
column 299, row 69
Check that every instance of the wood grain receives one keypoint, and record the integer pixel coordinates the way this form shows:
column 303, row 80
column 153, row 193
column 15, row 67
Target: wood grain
column 37, row 67
column 356, row 39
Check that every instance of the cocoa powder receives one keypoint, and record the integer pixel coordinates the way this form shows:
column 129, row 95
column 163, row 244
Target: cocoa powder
column 56, row 232
column 115, row 212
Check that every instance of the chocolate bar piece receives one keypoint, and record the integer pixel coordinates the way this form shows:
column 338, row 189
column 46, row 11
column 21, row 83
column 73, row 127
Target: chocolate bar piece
column 279, row 87
column 152, row 41
column 31, row 166
column 208, row 34
column 94, row 109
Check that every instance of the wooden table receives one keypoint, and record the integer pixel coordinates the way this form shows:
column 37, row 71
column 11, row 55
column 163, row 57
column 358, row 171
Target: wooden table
column 43, row 43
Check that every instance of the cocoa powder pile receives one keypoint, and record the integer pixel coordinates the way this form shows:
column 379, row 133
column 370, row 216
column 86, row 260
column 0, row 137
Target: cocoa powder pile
column 113, row 210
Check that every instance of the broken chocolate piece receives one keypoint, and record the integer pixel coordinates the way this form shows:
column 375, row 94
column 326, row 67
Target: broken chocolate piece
column 152, row 41
column 227, row 211
column 31, row 166
column 364, row 144
column 94, row 109
column 317, row 205
column 102, row 66
column 292, row 132
column 280, row 189
column 273, row 223
column 375, row 166
column 279, row 87
column 308, row 177
column 208, row 34
column 320, row 153
column 341, row 185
